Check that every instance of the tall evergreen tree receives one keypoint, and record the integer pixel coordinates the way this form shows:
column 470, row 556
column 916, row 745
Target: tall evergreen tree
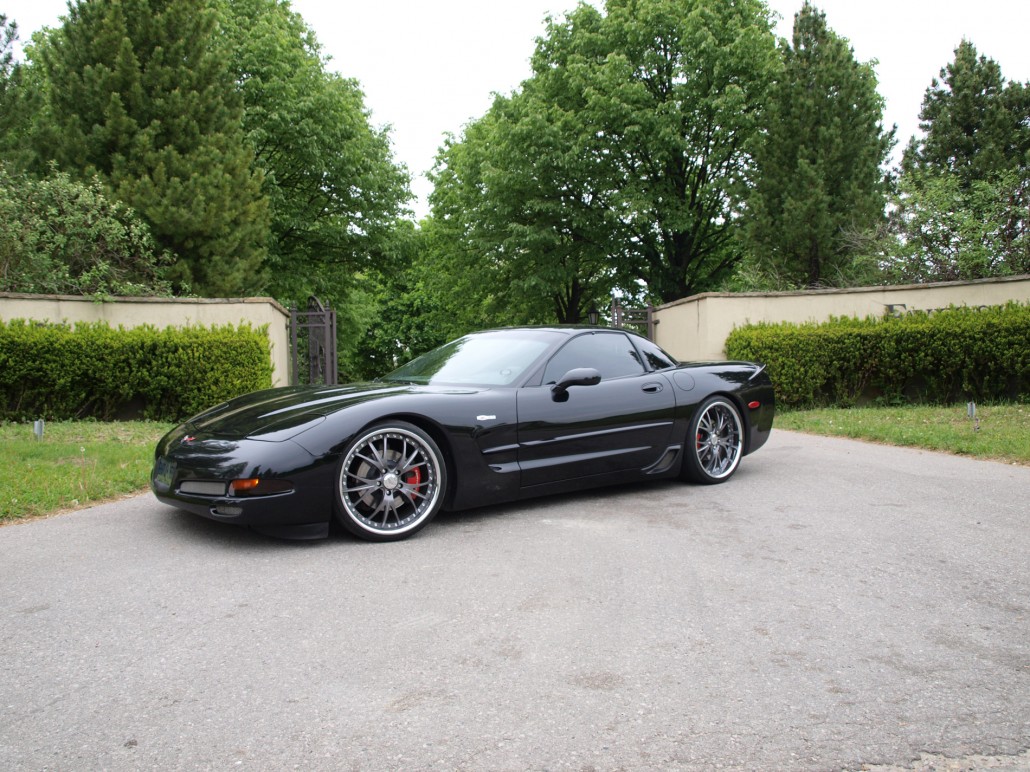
column 139, row 93
column 974, row 124
column 964, row 189
column 8, row 34
column 8, row 76
column 21, row 101
column 819, row 174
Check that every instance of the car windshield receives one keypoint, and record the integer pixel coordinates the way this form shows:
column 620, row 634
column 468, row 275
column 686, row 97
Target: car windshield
column 498, row 358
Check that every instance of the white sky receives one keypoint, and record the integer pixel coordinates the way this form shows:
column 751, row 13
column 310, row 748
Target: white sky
column 429, row 66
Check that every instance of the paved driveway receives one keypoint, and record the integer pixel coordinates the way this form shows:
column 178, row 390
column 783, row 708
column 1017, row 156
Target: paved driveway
column 836, row 605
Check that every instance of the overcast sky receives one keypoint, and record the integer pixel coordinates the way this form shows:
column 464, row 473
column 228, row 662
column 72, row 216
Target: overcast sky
column 429, row 66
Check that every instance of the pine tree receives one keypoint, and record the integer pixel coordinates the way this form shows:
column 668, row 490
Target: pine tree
column 140, row 94
column 975, row 125
column 8, row 34
column 8, row 78
column 964, row 189
column 819, row 176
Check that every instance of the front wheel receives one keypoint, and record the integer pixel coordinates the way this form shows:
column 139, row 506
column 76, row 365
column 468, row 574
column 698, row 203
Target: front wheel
column 390, row 482
column 715, row 443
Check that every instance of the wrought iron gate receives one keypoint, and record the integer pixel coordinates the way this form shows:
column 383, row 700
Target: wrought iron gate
column 639, row 319
column 313, row 344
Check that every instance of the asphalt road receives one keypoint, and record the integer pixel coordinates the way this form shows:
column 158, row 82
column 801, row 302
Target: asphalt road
column 835, row 605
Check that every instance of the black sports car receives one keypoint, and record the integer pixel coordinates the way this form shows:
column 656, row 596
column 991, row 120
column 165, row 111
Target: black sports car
column 491, row 417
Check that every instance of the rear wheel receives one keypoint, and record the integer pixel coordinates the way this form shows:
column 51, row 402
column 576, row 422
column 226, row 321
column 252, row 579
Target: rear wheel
column 390, row 482
column 715, row 443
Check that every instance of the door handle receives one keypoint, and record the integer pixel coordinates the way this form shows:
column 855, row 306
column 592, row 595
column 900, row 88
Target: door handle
column 651, row 388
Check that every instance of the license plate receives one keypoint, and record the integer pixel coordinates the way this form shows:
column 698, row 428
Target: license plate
column 164, row 473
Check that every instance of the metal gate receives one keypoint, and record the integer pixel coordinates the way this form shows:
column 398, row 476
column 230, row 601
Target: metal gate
column 313, row 344
column 639, row 319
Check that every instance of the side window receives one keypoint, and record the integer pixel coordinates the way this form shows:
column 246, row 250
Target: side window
column 610, row 353
column 654, row 356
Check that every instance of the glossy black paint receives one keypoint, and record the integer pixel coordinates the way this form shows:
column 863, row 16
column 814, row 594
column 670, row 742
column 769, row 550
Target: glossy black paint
column 501, row 443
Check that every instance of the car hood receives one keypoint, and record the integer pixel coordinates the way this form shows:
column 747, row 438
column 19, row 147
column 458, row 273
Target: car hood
column 274, row 415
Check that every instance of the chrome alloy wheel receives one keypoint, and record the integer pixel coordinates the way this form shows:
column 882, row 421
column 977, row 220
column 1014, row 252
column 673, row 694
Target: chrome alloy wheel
column 390, row 482
column 719, row 438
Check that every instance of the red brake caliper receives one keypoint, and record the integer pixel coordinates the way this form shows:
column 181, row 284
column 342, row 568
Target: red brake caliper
column 414, row 477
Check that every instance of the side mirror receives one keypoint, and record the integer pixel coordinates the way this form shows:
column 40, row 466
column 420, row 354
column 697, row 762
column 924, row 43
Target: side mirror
column 579, row 376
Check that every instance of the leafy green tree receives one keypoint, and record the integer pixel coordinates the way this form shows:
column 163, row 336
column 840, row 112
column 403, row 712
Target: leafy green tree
column 464, row 269
column 964, row 191
column 409, row 317
column 139, row 93
column 335, row 192
column 819, row 175
column 953, row 231
column 505, row 228
column 65, row 237
column 621, row 163
column 672, row 114
column 526, row 205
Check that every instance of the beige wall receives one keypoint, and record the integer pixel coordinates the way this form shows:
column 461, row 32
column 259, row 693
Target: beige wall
column 696, row 328
column 161, row 313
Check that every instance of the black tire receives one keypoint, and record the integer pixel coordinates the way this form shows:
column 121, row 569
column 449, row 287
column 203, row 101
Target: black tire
column 715, row 443
column 390, row 482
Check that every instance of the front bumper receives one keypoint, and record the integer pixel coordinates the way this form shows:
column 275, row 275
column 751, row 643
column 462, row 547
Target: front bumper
column 195, row 478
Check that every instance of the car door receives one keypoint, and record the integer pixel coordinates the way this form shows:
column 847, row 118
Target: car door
column 623, row 422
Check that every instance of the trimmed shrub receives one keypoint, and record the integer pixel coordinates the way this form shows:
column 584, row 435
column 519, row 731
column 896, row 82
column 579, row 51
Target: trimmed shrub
column 980, row 354
column 59, row 372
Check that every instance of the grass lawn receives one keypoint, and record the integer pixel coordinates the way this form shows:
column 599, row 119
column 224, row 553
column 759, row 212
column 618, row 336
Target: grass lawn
column 1003, row 435
column 75, row 464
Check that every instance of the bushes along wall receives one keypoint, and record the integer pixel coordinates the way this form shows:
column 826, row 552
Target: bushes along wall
column 979, row 354
column 55, row 371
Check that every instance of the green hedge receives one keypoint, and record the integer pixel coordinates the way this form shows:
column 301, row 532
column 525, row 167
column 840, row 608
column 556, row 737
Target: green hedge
column 980, row 354
column 56, row 372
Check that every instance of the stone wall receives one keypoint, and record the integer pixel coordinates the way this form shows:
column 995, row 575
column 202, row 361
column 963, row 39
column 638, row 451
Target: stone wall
column 696, row 328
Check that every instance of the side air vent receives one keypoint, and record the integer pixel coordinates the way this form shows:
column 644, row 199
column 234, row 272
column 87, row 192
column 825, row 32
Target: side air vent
column 664, row 464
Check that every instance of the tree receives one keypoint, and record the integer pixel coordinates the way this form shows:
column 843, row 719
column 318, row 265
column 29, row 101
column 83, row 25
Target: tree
column 953, row 231
column 530, row 200
column 139, row 93
column 405, row 304
column 674, row 111
column 465, row 262
column 66, row 237
column 819, row 174
column 513, row 221
column 335, row 192
column 21, row 93
column 964, row 191
column 8, row 34
column 9, row 74
column 975, row 124
column 621, row 162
